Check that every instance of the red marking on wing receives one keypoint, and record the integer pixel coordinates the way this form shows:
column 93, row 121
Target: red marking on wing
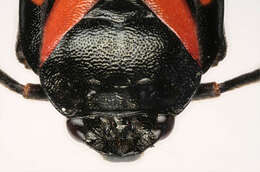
column 205, row 2
column 177, row 16
column 38, row 2
column 63, row 16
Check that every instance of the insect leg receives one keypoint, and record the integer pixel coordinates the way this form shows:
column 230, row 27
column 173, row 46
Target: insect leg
column 29, row 91
column 213, row 89
column 21, row 57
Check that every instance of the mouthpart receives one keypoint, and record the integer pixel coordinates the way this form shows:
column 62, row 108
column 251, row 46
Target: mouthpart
column 120, row 135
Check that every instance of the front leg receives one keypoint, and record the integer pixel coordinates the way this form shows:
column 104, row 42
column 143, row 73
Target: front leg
column 213, row 89
column 29, row 91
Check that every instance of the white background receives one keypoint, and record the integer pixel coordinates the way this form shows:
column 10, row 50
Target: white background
column 217, row 135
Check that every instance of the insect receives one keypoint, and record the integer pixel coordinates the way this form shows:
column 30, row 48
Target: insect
column 121, row 70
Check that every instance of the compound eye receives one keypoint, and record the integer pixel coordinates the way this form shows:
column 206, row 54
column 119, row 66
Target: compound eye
column 77, row 127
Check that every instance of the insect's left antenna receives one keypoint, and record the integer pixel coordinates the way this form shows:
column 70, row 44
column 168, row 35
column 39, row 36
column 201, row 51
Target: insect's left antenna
column 213, row 89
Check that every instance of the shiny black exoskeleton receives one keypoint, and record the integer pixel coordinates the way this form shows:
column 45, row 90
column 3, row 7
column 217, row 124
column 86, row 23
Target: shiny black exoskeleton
column 121, row 75
column 115, row 72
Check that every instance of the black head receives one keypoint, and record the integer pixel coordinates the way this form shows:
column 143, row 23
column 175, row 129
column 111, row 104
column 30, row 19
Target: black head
column 115, row 73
